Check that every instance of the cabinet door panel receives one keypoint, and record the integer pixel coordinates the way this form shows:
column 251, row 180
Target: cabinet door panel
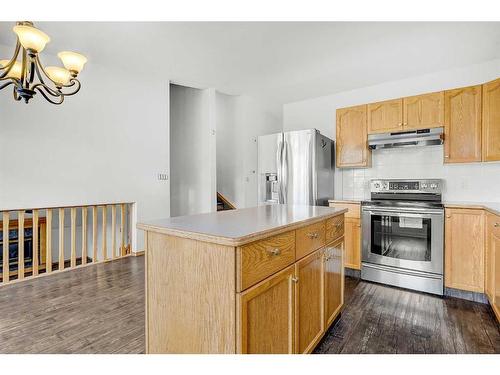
column 489, row 259
column 309, row 302
column 267, row 315
column 491, row 121
column 464, row 249
column 352, row 239
column 496, row 272
column 334, row 281
column 423, row 111
column 352, row 139
column 462, row 142
column 384, row 117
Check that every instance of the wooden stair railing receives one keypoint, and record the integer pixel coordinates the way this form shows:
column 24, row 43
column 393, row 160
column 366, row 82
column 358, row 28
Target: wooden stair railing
column 29, row 249
column 223, row 203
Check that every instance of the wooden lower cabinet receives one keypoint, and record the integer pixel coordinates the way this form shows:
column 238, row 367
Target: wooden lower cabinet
column 267, row 315
column 464, row 249
column 352, row 243
column 309, row 323
column 333, row 258
column 492, row 263
column 290, row 311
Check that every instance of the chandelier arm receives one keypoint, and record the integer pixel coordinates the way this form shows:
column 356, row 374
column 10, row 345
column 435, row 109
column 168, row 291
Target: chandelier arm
column 39, row 67
column 23, row 68
column 11, row 63
column 50, row 91
column 7, row 84
column 47, row 97
column 16, row 96
column 73, row 82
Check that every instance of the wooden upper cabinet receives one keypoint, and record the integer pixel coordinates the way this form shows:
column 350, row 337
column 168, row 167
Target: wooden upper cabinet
column 310, row 325
column 491, row 121
column 464, row 249
column 352, row 139
column 423, row 111
column 462, row 125
column 267, row 315
column 385, row 117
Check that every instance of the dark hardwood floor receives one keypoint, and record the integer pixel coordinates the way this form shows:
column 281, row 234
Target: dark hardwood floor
column 385, row 320
column 100, row 309
column 96, row 309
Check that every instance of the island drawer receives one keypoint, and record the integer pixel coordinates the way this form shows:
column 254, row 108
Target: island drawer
column 334, row 228
column 310, row 238
column 260, row 259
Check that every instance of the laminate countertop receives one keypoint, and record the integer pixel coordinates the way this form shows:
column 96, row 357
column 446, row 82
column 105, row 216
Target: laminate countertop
column 493, row 207
column 348, row 201
column 237, row 227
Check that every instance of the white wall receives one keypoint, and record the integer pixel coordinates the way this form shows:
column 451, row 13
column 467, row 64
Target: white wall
column 470, row 182
column 106, row 144
column 192, row 151
column 240, row 120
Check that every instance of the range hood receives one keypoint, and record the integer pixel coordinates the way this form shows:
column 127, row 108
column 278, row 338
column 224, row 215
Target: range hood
column 421, row 137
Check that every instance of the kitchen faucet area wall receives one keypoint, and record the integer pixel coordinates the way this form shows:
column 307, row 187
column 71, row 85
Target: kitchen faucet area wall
column 463, row 182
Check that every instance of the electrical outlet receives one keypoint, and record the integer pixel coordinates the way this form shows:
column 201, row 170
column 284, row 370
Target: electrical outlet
column 162, row 176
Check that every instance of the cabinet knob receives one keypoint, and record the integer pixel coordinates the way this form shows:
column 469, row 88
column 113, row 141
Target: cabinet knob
column 447, row 156
column 496, row 225
column 274, row 251
column 448, row 216
column 313, row 235
column 295, row 279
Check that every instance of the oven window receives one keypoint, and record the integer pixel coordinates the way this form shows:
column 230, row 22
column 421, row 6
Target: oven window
column 407, row 238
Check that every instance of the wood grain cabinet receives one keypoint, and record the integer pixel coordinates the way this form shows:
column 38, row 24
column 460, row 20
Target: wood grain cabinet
column 492, row 262
column 352, row 139
column 333, row 257
column 385, row 117
column 423, row 111
column 352, row 234
column 310, row 323
column 267, row 315
column 462, row 120
column 491, row 121
column 464, row 249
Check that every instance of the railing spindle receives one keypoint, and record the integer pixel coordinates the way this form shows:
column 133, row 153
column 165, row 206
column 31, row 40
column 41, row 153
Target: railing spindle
column 73, row 237
column 48, row 258
column 34, row 262
column 61, row 239
column 20, row 245
column 122, row 229
column 104, row 230
column 94, row 234
column 5, row 235
column 84, row 235
column 113, row 231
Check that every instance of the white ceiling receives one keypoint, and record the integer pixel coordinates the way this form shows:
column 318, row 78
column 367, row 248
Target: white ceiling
column 278, row 61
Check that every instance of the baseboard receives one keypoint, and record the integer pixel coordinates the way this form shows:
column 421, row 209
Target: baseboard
column 138, row 253
column 464, row 294
column 352, row 272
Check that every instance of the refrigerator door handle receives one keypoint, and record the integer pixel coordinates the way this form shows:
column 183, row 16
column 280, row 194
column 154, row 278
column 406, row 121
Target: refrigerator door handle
column 285, row 172
column 279, row 170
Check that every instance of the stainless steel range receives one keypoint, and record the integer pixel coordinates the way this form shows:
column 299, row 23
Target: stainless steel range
column 403, row 234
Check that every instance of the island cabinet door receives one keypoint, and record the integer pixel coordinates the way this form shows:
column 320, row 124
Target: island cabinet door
column 333, row 259
column 266, row 315
column 309, row 305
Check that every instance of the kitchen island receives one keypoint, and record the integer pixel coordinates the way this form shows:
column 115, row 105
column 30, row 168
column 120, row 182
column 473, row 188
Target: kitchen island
column 266, row 279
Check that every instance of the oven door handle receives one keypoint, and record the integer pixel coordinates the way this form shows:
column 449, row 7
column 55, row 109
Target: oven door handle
column 420, row 215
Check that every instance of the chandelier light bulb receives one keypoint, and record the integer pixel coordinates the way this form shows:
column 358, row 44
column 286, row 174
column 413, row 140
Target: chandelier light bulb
column 31, row 38
column 15, row 70
column 59, row 75
column 72, row 61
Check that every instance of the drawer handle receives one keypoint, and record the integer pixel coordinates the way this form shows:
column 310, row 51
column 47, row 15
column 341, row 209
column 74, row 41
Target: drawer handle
column 313, row 235
column 295, row 279
column 274, row 252
column 338, row 225
column 496, row 225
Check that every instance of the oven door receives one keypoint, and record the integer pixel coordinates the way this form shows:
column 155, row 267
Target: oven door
column 411, row 239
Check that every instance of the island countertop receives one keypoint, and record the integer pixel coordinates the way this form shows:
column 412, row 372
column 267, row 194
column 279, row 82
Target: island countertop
column 241, row 226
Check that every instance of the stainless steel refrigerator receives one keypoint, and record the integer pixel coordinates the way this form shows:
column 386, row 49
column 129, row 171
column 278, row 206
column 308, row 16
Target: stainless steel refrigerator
column 295, row 168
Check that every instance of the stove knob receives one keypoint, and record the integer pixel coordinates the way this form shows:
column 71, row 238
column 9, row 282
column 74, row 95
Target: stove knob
column 433, row 186
column 424, row 186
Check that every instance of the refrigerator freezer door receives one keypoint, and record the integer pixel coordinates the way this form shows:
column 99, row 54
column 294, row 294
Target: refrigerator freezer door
column 299, row 167
column 269, row 168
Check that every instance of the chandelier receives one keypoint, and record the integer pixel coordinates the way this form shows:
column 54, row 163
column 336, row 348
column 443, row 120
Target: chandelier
column 28, row 76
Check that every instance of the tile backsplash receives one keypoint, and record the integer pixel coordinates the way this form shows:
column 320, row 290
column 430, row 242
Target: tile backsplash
column 471, row 182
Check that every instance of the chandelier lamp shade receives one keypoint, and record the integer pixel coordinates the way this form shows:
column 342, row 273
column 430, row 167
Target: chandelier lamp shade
column 26, row 74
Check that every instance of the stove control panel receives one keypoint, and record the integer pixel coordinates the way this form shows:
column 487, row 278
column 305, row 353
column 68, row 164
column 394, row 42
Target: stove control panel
column 406, row 186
